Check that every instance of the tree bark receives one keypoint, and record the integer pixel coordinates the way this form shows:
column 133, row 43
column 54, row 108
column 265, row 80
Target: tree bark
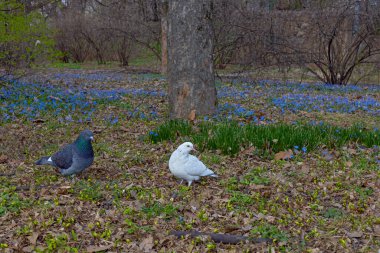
column 356, row 21
column 164, row 37
column 190, row 61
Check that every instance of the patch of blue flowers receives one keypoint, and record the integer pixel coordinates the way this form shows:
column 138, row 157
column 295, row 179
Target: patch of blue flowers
column 143, row 92
column 233, row 92
column 297, row 87
column 100, row 77
column 136, row 78
column 327, row 103
column 229, row 111
column 117, row 94
column 109, row 76
column 33, row 101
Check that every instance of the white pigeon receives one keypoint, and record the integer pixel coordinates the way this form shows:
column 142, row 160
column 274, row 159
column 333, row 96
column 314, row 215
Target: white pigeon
column 188, row 167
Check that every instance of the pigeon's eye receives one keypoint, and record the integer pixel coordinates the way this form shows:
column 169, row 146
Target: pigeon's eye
column 188, row 146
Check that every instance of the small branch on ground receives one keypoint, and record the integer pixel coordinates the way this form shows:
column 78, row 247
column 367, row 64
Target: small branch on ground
column 7, row 174
column 223, row 238
column 37, row 187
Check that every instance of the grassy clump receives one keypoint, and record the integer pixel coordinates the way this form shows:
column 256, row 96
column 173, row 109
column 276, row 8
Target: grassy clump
column 333, row 213
column 88, row 190
column 230, row 137
column 170, row 130
column 158, row 209
column 10, row 201
column 270, row 231
column 255, row 176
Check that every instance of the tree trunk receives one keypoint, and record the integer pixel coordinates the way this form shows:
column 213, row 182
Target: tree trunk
column 190, row 61
column 164, row 37
column 356, row 22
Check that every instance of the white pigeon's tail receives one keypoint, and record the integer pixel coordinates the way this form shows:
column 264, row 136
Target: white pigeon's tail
column 209, row 172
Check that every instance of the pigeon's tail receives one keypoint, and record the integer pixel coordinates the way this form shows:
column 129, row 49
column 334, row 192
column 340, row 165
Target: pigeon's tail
column 44, row 160
column 209, row 173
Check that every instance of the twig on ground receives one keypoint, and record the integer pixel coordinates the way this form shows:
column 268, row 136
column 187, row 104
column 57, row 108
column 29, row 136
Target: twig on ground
column 223, row 238
column 8, row 174
column 28, row 187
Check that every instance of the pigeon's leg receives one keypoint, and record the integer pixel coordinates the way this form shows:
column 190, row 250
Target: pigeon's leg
column 73, row 178
column 189, row 183
column 181, row 181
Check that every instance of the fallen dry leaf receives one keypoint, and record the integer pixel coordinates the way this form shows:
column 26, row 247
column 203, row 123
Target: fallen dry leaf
column 270, row 218
column 247, row 228
column 3, row 158
column 284, row 155
column 28, row 249
column 12, row 225
column 123, row 128
column 355, row 234
column 97, row 248
column 194, row 204
column 191, row 116
column 349, row 164
column 38, row 121
column 33, row 238
column 260, row 216
column 305, row 169
column 257, row 186
column 147, row 244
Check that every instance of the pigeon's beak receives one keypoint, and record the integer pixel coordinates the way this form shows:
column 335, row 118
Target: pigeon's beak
column 193, row 149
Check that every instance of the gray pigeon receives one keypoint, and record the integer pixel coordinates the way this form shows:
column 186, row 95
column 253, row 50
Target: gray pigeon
column 72, row 158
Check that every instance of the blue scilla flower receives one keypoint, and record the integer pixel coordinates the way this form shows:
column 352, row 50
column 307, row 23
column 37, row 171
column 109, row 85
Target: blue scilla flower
column 153, row 133
column 296, row 147
column 304, row 149
column 154, row 114
column 114, row 121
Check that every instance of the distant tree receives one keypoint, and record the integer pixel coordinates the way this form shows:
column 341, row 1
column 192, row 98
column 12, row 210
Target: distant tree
column 329, row 39
column 227, row 38
column 344, row 42
column 138, row 31
column 69, row 38
column 25, row 37
column 107, row 29
column 164, row 36
column 190, row 58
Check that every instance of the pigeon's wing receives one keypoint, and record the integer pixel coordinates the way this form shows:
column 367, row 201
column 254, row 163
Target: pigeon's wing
column 63, row 159
column 194, row 166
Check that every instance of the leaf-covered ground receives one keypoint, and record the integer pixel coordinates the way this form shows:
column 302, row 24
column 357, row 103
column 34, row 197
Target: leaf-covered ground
column 326, row 200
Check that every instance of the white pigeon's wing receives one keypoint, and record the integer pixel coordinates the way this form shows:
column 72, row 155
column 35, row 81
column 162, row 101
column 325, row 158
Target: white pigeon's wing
column 194, row 166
